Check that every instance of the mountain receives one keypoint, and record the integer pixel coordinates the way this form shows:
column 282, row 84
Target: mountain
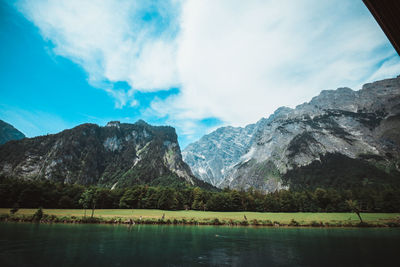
column 215, row 154
column 8, row 132
column 341, row 138
column 116, row 155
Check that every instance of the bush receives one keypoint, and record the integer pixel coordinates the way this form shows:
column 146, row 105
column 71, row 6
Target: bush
column 294, row 223
column 316, row 224
column 244, row 222
column 14, row 209
column 363, row 224
column 4, row 217
column 254, row 222
column 268, row 223
column 38, row 214
column 216, row 222
column 393, row 224
column 89, row 220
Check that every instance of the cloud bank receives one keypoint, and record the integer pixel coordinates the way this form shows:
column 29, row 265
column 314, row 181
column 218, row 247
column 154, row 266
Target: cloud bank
column 233, row 60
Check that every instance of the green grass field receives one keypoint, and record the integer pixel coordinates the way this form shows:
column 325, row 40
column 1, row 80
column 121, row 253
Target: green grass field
column 301, row 217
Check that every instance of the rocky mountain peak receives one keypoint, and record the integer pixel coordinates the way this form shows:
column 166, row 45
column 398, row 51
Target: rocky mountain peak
column 113, row 124
column 8, row 133
column 141, row 122
column 118, row 154
column 336, row 127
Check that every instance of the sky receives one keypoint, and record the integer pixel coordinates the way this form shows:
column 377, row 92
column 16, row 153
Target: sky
column 194, row 65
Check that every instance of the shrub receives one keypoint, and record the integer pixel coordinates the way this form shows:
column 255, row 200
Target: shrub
column 293, row 222
column 14, row 209
column 87, row 220
column 244, row 222
column 316, row 224
column 254, row 222
column 393, row 224
column 216, row 222
column 4, row 217
column 38, row 214
column 363, row 224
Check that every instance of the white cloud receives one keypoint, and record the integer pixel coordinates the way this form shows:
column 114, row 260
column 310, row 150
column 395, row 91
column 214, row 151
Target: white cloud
column 234, row 60
column 389, row 68
column 112, row 40
column 240, row 60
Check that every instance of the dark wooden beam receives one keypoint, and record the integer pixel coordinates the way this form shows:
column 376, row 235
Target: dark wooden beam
column 387, row 14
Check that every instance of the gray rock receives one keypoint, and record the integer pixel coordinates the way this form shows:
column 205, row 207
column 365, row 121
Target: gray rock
column 117, row 155
column 362, row 125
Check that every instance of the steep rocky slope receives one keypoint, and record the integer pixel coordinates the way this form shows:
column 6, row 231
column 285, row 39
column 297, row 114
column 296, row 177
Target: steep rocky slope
column 8, row 132
column 215, row 154
column 341, row 138
column 117, row 155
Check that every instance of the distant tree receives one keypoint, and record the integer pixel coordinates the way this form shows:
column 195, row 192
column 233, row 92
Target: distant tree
column 236, row 200
column 286, row 201
column 30, row 197
column 47, row 194
column 198, row 199
column 167, row 199
column 89, row 199
column 131, row 198
column 248, row 202
column 84, row 202
column 271, row 202
column 105, row 198
column 321, row 197
column 213, row 203
column 150, row 200
column 354, row 207
column 187, row 195
column 65, row 202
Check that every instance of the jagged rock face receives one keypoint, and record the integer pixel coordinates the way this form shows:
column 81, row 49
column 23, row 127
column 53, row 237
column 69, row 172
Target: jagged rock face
column 8, row 133
column 119, row 154
column 214, row 155
column 359, row 128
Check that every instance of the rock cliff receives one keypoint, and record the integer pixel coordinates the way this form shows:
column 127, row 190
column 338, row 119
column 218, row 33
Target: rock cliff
column 116, row 155
column 341, row 138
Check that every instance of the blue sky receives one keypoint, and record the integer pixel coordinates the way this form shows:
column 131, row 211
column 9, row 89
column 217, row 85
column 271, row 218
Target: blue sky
column 194, row 65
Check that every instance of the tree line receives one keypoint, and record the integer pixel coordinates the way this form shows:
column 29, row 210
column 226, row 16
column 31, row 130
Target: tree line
column 46, row 194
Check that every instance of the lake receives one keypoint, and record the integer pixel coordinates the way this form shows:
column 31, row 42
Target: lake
column 24, row 244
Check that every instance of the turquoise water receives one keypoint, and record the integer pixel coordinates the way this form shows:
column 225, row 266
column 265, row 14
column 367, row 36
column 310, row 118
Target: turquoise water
column 147, row 245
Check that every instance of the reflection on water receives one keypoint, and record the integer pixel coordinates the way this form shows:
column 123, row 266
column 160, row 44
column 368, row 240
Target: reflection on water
column 153, row 245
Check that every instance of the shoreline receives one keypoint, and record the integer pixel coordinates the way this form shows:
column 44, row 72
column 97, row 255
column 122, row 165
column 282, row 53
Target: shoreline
column 50, row 219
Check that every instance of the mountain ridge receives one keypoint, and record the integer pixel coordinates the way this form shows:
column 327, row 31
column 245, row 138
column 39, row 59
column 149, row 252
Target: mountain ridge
column 9, row 132
column 343, row 121
column 116, row 155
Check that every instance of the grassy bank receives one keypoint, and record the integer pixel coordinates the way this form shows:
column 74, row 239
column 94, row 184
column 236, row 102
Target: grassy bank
column 205, row 217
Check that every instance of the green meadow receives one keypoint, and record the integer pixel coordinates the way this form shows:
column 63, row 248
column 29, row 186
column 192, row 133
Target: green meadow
column 204, row 216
